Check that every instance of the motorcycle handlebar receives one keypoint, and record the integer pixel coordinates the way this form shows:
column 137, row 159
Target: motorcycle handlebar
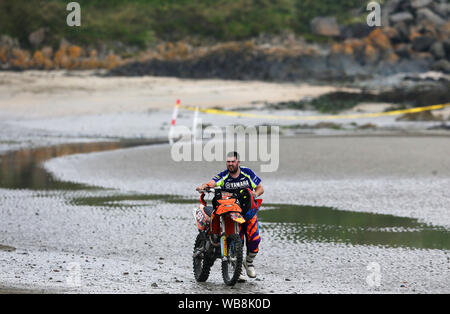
column 209, row 190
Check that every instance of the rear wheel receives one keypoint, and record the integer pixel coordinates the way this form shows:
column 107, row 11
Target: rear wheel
column 232, row 266
column 202, row 265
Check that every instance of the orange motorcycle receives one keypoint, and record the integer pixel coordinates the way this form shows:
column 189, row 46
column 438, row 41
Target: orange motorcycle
column 218, row 236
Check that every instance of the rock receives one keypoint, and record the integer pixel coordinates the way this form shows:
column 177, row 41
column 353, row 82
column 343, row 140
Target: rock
column 47, row 51
column 8, row 42
column 64, row 44
column 325, row 26
column 403, row 50
column 37, row 37
column 424, row 57
column 438, row 50
column 355, row 30
column 417, row 4
column 401, row 17
column 371, row 55
column 443, row 9
column 446, row 45
column 391, row 57
column 402, row 31
column 379, row 39
column 426, row 14
column 422, row 43
column 442, row 65
column 387, row 10
column 391, row 6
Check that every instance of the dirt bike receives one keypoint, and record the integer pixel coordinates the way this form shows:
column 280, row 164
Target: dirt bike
column 218, row 236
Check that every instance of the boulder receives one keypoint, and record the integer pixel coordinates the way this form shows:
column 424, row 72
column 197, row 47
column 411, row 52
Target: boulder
column 379, row 39
column 387, row 10
column 401, row 17
column 403, row 50
column 438, row 50
column 64, row 44
column 403, row 31
column 47, row 51
column 325, row 26
column 422, row 43
column 391, row 6
column 371, row 54
column 355, row 30
column 425, row 14
column 417, row 4
column 442, row 65
column 37, row 37
column 442, row 9
column 8, row 42
column 446, row 44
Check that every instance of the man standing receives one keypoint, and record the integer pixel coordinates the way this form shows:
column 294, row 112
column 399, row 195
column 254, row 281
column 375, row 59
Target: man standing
column 238, row 178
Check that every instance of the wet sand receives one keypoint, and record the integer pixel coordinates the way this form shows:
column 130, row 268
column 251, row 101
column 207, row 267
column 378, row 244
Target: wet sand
column 145, row 246
column 130, row 246
column 401, row 175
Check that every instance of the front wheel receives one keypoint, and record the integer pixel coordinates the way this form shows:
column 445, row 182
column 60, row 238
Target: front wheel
column 202, row 264
column 232, row 266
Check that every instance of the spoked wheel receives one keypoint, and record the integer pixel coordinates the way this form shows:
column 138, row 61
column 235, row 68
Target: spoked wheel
column 202, row 265
column 232, row 266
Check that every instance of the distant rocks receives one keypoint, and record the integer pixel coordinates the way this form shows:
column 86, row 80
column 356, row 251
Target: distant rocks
column 401, row 17
column 414, row 38
column 37, row 37
column 67, row 56
column 422, row 43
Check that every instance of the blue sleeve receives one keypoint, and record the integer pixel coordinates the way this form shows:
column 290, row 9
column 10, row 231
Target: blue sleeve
column 219, row 179
column 254, row 179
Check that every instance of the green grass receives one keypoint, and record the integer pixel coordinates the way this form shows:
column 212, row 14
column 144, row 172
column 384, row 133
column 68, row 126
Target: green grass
column 140, row 22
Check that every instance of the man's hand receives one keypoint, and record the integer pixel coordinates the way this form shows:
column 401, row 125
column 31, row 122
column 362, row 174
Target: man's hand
column 202, row 187
column 209, row 184
column 258, row 191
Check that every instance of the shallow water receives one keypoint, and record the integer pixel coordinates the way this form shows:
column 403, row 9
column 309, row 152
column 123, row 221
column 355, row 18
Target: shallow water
column 22, row 169
column 323, row 224
column 304, row 224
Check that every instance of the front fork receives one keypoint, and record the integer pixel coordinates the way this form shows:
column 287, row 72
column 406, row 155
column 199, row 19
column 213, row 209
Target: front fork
column 223, row 237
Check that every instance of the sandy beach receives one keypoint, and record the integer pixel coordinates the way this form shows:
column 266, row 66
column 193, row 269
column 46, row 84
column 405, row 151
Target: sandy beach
column 119, row 230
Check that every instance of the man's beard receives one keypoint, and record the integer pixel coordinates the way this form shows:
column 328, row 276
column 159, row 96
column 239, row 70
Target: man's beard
column 232, row 169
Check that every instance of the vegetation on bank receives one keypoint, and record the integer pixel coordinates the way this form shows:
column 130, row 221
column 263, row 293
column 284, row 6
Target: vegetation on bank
column 403, row 98
column 141, row 22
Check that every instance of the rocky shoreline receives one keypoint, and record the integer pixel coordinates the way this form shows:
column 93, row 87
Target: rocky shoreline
column 414, row 38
